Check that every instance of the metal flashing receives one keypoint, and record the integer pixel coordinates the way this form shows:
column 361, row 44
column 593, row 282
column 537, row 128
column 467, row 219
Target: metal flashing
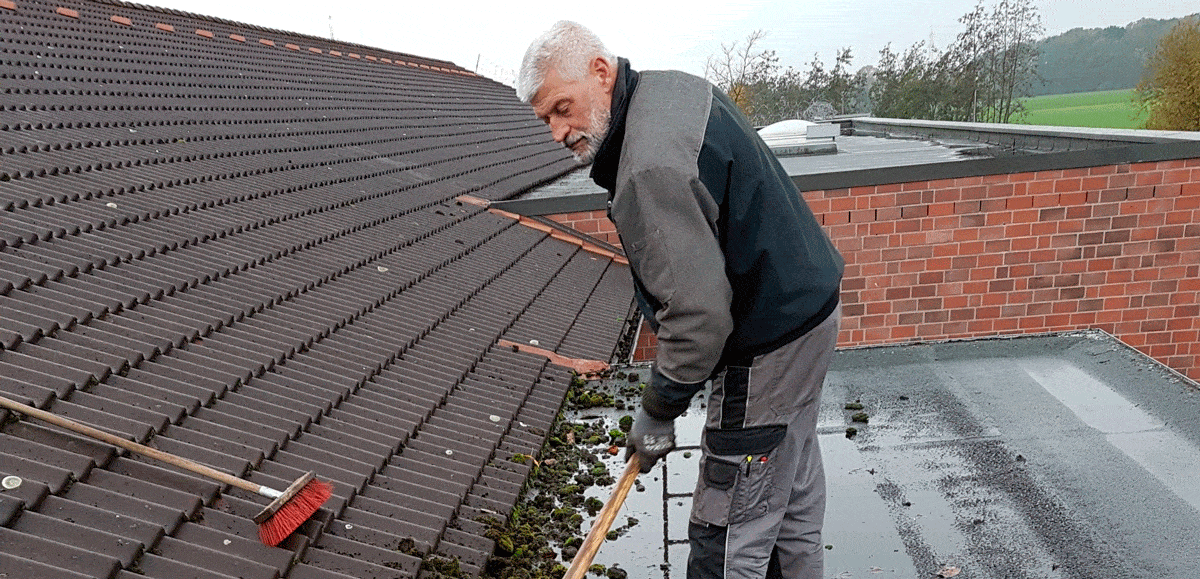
column 555, row 205
column 1138, row 153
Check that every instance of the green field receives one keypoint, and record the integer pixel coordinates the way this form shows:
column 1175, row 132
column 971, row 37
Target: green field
column 1110, row 109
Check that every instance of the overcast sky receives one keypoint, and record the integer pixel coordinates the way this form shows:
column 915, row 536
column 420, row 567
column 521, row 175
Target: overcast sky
column 653, row 34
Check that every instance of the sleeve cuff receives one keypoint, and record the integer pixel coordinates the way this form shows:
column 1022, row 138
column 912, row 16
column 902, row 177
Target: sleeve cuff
column 666, row 399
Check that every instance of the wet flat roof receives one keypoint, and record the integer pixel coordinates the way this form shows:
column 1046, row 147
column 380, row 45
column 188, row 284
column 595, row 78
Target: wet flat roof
column 1049, row 456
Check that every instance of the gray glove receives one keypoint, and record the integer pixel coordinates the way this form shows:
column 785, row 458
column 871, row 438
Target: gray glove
column 651, row 438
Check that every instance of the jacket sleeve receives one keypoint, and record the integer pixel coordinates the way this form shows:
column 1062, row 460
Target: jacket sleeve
column 668, row 223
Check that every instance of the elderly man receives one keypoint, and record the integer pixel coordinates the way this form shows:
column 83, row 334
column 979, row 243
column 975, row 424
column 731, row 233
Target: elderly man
column 737, row 279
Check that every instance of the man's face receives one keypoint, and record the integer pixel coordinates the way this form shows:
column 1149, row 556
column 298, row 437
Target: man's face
column 577, row 110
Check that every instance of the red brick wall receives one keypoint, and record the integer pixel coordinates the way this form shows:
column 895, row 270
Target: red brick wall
column 593, row 223
column 1114, row 247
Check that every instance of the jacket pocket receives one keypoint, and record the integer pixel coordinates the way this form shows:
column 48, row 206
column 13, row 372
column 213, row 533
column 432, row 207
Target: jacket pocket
column 737, row 474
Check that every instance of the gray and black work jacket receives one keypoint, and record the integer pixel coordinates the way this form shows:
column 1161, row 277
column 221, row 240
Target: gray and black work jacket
column 727, row 258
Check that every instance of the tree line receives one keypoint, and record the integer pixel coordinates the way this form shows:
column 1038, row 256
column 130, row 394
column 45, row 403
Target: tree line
column 982, row 76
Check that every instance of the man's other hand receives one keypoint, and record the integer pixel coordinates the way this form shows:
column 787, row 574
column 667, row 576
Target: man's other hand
column 651, row 438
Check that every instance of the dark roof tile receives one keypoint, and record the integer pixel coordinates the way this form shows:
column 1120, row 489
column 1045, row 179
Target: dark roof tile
column 276, row 387
column 120, row 548
column 171, row 413
column 130, row 289
column 338, row 430
column 131, row 528
column 205, row 380
column 467, row 555
column 219, row 347
column 305, row 571
column 25, row 555
column 18, row 387
column 265, row 403
column 354, row 518
column 128, row 408
column 99, row 364
column 25, row 323
column 113, row 423
column 143, row 468
column 233, row 443
column 214, row 560
column 300, row 454
column 159, row 567
column 389, row 558
column 228, row 544
column 53, row 477
column 345, row 565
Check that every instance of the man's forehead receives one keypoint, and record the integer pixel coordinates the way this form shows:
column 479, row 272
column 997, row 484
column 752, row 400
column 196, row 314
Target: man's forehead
column 552, row 83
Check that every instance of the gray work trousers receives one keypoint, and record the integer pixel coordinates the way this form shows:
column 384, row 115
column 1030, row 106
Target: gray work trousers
column 760, row 500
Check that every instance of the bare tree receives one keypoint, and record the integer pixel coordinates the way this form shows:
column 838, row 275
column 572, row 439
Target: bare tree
column 738, row 67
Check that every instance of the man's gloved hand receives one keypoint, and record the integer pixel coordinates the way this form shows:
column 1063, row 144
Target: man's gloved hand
column 651, row 438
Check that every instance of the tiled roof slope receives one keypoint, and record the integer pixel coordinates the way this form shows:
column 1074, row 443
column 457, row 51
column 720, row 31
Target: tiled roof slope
column 253, row 256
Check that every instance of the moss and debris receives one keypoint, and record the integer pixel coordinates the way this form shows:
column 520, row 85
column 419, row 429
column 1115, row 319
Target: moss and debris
column 438, row 567
column 544, row 531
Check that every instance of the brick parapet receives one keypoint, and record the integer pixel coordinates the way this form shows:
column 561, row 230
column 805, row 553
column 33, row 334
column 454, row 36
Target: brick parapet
column 1113, row 247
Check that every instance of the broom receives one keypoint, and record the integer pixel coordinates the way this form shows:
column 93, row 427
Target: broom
column 286, row 512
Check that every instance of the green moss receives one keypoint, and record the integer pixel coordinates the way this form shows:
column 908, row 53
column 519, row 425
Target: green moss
column 860, row 417
column 438, row 567
column 851, row 431
column 593, row 505
column 854, row 406
column 626, row 423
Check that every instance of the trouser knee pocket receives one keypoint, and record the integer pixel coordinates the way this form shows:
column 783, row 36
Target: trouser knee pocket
column 737, row 474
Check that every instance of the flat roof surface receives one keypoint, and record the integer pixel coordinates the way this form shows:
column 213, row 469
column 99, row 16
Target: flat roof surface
column 1063, row 456
column 872, row 152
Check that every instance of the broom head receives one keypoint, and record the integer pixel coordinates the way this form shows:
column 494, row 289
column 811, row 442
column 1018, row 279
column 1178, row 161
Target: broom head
column 286, row 513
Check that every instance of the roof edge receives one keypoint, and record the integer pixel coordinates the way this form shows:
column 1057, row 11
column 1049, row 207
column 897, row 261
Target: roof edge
column 256, row 27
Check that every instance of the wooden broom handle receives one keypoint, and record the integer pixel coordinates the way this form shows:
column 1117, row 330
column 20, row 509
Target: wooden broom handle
column 596, row 536
column 134, row 447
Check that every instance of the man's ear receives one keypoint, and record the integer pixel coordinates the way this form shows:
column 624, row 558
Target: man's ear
column 604, row 72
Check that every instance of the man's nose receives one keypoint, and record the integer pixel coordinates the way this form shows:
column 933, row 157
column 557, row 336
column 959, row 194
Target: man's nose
column 559, row 129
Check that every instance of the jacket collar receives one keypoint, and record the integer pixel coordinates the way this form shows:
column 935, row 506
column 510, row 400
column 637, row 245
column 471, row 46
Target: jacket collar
column 608, row 156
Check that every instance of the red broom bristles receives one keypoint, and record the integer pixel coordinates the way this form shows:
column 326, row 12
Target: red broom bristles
column 293, row 513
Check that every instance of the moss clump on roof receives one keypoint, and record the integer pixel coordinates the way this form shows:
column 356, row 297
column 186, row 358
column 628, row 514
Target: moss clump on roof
column 439, row 567
column 545, row 527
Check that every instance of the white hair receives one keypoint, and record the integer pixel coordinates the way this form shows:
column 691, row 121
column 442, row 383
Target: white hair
column 567, row 48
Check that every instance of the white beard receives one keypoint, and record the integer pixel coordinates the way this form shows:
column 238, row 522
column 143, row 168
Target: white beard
column 597, row 129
